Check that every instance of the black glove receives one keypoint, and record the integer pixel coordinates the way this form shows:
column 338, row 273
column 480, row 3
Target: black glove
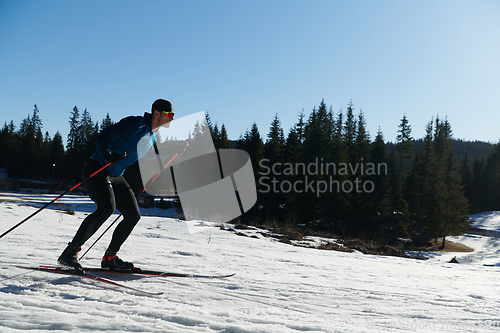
column 113, row 158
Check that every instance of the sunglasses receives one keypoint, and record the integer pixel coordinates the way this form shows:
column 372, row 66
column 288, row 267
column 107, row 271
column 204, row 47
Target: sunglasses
column 169, row 113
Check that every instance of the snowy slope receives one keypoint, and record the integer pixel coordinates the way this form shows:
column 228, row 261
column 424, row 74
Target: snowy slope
column 277, row 287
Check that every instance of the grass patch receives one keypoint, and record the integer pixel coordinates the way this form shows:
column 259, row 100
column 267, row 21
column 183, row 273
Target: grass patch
column 436, row 247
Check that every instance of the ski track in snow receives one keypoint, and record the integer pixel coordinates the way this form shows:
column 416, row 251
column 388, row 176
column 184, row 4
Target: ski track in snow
column 277, row 287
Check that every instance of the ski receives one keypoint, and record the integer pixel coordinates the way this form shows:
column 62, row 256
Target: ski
column 84, row 274
column 139, row 271
column 160, row 274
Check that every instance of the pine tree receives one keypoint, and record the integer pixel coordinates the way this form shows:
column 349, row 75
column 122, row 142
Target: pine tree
column 273, row 153
column 10, row 149
column 106, row 122
column 88, row 131
column 252, row 143
column 349, row 132
column 311, row 141
column 294, row 140
column 338, row 146
column 274, row 146
column 223, row 138
column 74, row 122
column 209, row 123
column 299, row 127
column 293, row 154
column 413, row 191
column 434, row 188
column 404, row 147
column 31, row 139
column 45, row 170
column 379, row 201
column 56, row 156
column 422, row 189
column 219, row 136
column 362, row 138
column 216, row 136
column 453, row 210
column 318, row 133
column 73, row 147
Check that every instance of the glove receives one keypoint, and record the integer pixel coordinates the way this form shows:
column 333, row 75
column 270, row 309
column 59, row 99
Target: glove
column 113, row 158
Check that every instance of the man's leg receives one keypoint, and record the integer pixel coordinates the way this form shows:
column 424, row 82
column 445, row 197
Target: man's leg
column 127, row 205
column 100, row 191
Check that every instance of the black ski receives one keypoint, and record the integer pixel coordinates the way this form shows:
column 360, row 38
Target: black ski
column 139, row 271
column 157, row 273
column 84, row 274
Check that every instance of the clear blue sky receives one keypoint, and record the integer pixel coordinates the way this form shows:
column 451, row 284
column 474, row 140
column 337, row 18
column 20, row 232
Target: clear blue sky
column 245, row 61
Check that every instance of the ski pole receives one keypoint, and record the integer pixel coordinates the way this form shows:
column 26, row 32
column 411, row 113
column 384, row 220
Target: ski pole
column 143, row 190
column 54, row 200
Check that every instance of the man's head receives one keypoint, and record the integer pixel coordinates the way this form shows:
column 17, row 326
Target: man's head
column 161, row 105
column 162, row 113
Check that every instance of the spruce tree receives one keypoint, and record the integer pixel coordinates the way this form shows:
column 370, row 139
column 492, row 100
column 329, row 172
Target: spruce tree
column 73, row 147
column 426, row 190
column 74, row 123
column 294, row 140
column 413, row 192
column 273, row 153
column 362, row 138
column 10, row 149
column 46, row 167
column 106, row 122
column 88, row 131
column 252, row 143
column 56, row 156
column 275, row 144
column 404, row 147
column 224, row 142
column 293, row 154
column 216, row 136
column 349, row 132
column 379, row 201
column 453, row 210
column 31, row 139
column 318, row 133
column 434, row 187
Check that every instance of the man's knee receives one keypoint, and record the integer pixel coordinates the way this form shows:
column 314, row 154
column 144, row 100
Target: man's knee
column 106, row 210
column 132, row 217
column 135, row 217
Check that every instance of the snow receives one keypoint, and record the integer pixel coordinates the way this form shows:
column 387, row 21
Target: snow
column 277, row 287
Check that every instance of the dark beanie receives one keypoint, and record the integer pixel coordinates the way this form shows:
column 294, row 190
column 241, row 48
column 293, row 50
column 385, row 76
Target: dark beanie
column 161, row 105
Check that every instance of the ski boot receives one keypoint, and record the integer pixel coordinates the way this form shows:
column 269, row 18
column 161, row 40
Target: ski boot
column 112, row 262
column 69, row 257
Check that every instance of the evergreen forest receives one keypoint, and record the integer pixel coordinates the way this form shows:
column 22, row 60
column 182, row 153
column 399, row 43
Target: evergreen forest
column 327, row 174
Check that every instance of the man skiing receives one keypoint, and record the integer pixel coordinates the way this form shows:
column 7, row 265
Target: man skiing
column 117, row 145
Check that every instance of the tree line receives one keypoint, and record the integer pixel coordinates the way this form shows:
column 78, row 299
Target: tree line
column 326, row 174
column 27, row 152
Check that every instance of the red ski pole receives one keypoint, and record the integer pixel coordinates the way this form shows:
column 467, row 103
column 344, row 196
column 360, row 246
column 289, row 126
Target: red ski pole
column 59, row 197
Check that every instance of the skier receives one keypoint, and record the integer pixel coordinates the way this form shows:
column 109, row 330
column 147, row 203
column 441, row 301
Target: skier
column 117, row 145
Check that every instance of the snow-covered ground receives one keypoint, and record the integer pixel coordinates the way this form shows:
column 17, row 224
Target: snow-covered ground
column 277, row 287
